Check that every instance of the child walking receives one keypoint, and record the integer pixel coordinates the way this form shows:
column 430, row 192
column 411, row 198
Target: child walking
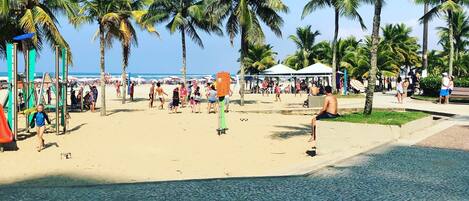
column 277, row 93
column 39, row 120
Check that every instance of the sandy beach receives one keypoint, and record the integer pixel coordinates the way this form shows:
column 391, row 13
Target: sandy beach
column 134, row 143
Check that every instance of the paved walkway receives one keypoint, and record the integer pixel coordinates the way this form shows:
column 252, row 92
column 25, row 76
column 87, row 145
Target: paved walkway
column 391, row 173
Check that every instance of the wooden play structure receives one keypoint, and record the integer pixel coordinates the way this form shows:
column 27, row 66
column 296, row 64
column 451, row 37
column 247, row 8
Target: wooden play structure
column 31, row 96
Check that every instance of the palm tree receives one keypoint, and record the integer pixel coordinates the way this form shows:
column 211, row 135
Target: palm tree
column 304, row 41
column 347, row 8
column 103, row 12
column 378, row 4
column 404, row 48
column 259, row 57
column 185, row 16
column 244, row 18
column 447, row 8
column 460, row 23
column 461, row 35
column 125, row 32
column 19, row 17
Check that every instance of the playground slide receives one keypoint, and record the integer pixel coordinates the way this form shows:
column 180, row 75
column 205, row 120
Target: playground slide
column 6, row 136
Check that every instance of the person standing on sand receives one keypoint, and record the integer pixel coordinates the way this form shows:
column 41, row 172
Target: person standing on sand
column 450, row 86
column 329, row 110
column 160, row 92
column 183, row 95
column 297, row 88
column 152, row 94
column 197, row 99
column 118, row 88
column 39, row 120
column 405, row 86
column 444, row 90
column 399, row 89
column 176, row 101
column 212, row 99
column 131, row 92
column 277, row 93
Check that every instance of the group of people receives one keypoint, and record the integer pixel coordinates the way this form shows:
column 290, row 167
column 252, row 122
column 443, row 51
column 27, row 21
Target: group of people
column 88, row 97
column 447, row 86
column 191, row 96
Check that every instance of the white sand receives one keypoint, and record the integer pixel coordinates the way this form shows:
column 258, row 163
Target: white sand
column 135, row 143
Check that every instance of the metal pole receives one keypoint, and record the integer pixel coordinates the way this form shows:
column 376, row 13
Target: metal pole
column 14, row 82
column 64, row 88
column 57, row 98
column 26, row 87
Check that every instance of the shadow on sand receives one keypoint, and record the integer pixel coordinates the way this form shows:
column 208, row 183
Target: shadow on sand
column 292, row 131
column 115, row 111
column 76, row 127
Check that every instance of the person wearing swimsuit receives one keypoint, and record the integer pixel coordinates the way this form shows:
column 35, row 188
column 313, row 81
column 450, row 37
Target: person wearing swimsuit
column 329, row 110
column 159, row 93
column 39, row 120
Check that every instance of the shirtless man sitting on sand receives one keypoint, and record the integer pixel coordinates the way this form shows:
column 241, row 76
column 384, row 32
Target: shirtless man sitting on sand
column 329, row 110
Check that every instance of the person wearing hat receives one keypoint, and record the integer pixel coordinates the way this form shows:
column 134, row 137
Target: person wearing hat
column 444, row 90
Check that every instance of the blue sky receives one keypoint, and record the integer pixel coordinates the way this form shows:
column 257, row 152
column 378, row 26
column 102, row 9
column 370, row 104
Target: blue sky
column 163, row 54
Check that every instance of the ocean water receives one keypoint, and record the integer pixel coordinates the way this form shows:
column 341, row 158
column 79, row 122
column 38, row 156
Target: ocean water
column 146, row 76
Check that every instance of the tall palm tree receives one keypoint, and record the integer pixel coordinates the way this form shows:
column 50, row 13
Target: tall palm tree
column 185, row 16
column 378, row 4
column 19, row 17
column 460, row 24
column 447, row 8
column 304, row 41
column 259, row 57
column 124, row 31
column 104, row 13
column 244, row 18
column 346, row 8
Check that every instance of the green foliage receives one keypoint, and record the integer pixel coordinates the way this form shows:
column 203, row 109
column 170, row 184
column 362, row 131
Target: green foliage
column 40, row 17
column 431, row 85
column 381, row 117
column 461, row 82
column 259, row 58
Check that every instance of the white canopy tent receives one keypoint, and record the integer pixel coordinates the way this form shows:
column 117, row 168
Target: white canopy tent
column 315, row 69
column 279, row 69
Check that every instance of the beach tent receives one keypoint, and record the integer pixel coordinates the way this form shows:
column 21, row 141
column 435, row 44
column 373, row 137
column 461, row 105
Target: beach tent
column 279, row 69
column 315, row 69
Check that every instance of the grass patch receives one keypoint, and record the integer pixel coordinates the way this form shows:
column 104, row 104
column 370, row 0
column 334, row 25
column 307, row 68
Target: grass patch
column 381, row 117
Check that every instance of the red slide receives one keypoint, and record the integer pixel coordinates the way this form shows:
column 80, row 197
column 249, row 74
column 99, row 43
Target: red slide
column 5, row 133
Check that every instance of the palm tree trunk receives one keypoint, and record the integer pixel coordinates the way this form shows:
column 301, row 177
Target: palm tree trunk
column 102, row 68
column 451, row 42
column 374, row 58
column 125, row 62
column 425, row 39
column 334, row 51
column 244, row 49
column 184, row 57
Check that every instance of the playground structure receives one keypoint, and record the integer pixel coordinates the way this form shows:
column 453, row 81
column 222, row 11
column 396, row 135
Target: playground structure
column 26, row 104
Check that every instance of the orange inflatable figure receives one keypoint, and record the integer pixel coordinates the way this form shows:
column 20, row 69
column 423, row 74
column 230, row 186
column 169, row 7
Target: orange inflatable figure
column 223, row 83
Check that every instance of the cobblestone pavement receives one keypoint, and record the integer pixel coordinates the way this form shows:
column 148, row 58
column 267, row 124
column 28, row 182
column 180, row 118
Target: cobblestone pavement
column 390, row 173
